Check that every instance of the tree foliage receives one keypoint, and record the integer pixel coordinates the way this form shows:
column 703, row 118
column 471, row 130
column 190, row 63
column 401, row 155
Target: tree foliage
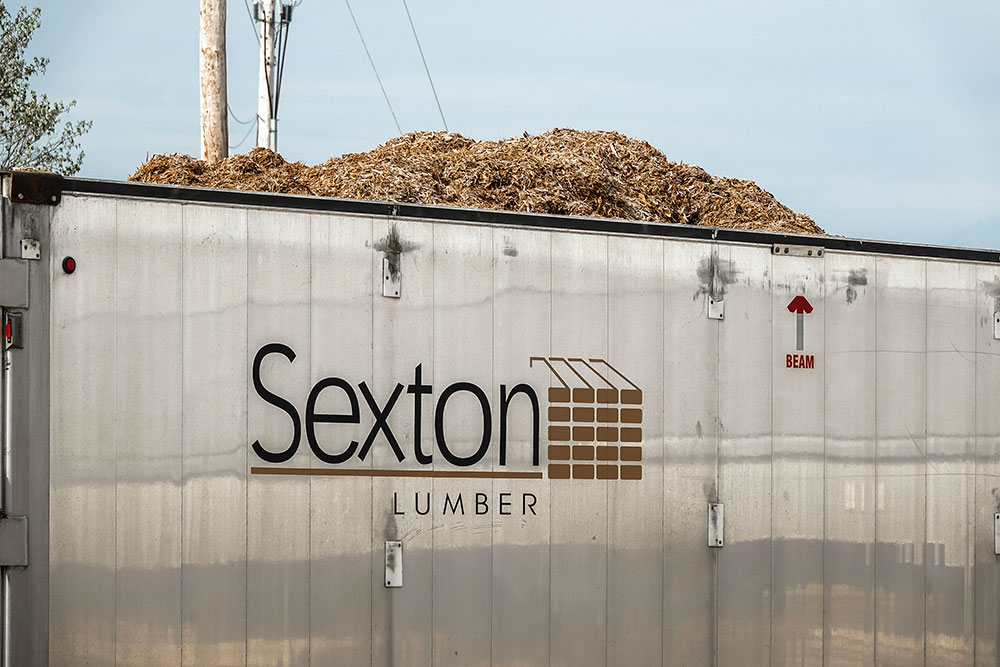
column 32, row 133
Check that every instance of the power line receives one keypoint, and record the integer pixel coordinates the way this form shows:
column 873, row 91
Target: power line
column 253, row 21
column 245, row 136
column 426, row 69
column 241, row 122
column 377, row 77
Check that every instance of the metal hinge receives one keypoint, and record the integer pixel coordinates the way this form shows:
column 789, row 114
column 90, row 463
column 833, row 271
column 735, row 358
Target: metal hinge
column 13, row 540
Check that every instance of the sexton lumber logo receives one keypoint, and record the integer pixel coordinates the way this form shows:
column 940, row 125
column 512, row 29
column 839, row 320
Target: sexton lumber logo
column 594, row 424
column 587, row 423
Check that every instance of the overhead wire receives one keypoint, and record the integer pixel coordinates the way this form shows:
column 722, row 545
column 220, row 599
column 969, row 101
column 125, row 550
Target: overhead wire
column 374, row 69
column 253, row 21
column 245, row 136
column 426, row 69
column 241, row 122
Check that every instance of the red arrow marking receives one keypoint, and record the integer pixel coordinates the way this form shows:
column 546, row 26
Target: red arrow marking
column 800, row 305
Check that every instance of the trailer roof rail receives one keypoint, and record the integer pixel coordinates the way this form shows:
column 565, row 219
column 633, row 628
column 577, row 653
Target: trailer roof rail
column 44, row 184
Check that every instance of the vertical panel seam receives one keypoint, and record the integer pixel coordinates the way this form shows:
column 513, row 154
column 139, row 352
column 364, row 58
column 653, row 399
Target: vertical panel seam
column 607, row 485
column 927, row 457
column 663, row 475
column 371, row 526
column 875, row 510
column 115, row 426
column 718, row 465
column 434, row 374
column 311, row 218
column 181, row 462
column 970, row 480
column 551, row 261
column 246, row 466
column 770, row 571
column 823, row 610
column 663, row 440
column 493, row 305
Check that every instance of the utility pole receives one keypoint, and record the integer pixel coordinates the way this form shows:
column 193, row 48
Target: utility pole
column 214, row 122
column 267, row 124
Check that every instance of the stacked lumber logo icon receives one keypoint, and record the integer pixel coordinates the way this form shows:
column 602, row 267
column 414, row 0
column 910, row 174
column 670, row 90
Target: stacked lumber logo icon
column 595, row 421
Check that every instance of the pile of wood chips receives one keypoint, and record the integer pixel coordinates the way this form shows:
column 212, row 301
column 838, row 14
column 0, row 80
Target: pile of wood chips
column 564, row 172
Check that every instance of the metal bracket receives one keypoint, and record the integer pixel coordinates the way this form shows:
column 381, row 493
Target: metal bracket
column 392, row 277
column 13, row 541
column 716, row 524
column 996, row 325
column 798, row 250
column 996, row 533
column 13, row 283
column 393, row 564
column 31, row 249
column 35, row 187
column 716, row 309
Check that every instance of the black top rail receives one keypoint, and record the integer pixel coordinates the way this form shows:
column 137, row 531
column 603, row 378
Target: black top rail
column 509, row 218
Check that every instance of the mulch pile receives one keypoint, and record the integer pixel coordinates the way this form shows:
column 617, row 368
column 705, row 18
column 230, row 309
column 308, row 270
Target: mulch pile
column 564, row 172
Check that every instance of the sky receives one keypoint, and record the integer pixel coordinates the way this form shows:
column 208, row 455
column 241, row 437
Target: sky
column 879, row 119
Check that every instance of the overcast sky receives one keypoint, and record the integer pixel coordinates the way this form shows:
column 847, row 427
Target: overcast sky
column 878, row 119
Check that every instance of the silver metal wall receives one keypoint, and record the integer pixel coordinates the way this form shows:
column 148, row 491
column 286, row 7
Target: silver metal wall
column 859, row 492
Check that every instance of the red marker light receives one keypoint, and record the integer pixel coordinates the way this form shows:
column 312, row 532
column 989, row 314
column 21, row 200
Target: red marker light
column 69, row 265
column 8, row 329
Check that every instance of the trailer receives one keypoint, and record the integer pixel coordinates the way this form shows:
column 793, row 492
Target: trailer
column 246, row 428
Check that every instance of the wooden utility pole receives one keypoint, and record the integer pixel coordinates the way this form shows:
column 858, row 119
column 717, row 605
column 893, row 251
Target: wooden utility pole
column 267, row 130
column 214, row 121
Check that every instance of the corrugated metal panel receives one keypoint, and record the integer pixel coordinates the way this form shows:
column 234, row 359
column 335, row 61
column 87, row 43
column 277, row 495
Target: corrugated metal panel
column 463, row 542
column 849, row 546
column 900, row 500
column 214, row 492
column 987, row 467
column 341, row 575
column 278, row 535
column 690, row 447
column 579, row 507
column 521, row 330
column 83, row 462
column 858, row 472
column 797, row 468
column 635, row 527
column 402, row 339
column 148, row 394
column 949, row 615
column 745, row 367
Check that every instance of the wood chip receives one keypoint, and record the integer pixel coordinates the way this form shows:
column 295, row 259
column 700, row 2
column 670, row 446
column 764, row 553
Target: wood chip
column 562, row 172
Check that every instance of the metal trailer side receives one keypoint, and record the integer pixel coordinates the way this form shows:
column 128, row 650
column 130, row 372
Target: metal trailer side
column 265, row 429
